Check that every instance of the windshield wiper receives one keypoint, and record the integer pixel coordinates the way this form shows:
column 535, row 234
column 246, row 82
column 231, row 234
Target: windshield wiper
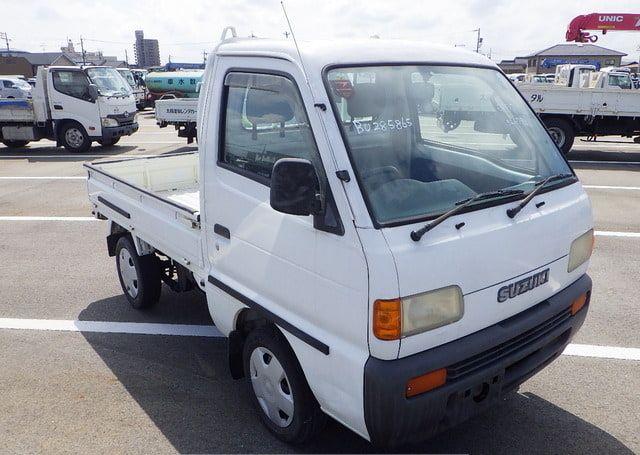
column 459, row 206
column 512, row 212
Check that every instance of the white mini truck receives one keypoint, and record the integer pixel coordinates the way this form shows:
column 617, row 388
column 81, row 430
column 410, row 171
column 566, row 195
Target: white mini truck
column 363, row 263
column 72, row 106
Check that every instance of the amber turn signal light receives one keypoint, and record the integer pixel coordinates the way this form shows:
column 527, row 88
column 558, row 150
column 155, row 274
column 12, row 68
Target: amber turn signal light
column 578, row 303
column 426, row 382
column 387, row 319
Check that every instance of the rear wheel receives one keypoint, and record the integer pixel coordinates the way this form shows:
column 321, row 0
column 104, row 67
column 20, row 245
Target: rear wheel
column 139, row 275
column 74, row 138
column 14, row 144
column 278, row 388
column 562, row 133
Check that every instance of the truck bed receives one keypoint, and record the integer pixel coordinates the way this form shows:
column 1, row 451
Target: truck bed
column 13, row 110
column 157, row 198
column 549, row 98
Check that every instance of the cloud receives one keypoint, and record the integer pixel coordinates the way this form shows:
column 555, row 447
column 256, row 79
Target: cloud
column 508, row 28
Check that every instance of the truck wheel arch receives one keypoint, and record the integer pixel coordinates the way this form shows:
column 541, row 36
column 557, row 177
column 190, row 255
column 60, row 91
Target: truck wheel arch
column 246, row 320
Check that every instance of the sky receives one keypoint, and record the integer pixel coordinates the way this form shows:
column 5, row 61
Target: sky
column 187, row 28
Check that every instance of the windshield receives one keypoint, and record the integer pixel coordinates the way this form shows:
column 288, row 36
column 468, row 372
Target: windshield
column 128, row 76
column 620, row 80
column 422, row 138
column 109, row 81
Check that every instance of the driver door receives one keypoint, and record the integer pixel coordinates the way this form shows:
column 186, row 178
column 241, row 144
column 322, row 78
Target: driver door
column 69, row 98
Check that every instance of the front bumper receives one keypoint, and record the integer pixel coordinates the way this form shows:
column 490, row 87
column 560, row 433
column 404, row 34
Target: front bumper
column 114, row 132
column 481, row 367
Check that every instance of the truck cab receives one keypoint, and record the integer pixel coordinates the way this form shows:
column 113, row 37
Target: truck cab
column 137, row 89
column 364, row 263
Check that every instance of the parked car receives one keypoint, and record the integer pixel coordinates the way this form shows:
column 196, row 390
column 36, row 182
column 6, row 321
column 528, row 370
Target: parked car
column 14, row 88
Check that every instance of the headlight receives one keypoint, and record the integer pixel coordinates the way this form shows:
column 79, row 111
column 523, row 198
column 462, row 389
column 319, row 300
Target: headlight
column 580, row 251
column 397, row 318
column 431, row 309
column 108, row 122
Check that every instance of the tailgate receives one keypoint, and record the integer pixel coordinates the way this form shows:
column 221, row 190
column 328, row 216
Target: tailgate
column 177, row 110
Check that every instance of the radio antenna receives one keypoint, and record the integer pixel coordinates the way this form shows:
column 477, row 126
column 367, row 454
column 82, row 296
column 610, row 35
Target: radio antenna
column 293, row 35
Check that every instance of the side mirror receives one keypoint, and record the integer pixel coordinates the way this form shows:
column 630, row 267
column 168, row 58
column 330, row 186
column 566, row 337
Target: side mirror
column 295, row 187
column 93, row 92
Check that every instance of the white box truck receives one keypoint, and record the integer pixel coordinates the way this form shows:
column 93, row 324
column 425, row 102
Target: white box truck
column 73, row 106
column 363, row 266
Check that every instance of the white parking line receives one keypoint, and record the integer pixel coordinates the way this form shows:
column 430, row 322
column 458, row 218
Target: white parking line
column 48, row 218
column 43, row 178
column 29, row 157
column 618, row 234
column 602, row 352
column 610, row 187
column 209, row 331
column 140, row 328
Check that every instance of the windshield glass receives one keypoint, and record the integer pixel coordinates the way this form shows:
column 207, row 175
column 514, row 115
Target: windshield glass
column 109, row 81
column 422, row 138
column 620, row 80
column 128, row 76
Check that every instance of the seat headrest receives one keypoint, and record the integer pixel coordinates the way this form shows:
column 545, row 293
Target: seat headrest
column 367, row 100
column 268, row 105
column 421, row 92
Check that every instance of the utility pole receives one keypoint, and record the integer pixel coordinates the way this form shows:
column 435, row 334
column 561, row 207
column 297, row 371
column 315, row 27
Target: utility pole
column 5, row 37
column 204, row 57
column 478, row 40
column 84, row 62
column 126, row 57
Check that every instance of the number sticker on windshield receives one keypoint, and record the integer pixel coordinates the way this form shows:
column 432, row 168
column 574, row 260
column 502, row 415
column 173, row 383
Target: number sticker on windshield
column 382, row 125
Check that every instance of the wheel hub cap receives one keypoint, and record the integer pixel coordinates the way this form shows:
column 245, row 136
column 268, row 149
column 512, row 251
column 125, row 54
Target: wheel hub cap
column 128, row 273
column 558, row 136
column 74, row 137
column 271, row 386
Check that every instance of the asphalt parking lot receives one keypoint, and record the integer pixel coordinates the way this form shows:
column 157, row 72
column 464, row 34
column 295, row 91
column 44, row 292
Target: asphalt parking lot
column 85, row 390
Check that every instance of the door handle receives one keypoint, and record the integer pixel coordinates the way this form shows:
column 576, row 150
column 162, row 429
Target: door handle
column 57, row 107
column 222, row 231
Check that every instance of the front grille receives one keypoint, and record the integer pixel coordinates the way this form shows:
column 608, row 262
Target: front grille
column 123, row 119
column 490, row 356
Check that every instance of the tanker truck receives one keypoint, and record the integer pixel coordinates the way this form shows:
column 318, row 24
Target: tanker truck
column 172, row 84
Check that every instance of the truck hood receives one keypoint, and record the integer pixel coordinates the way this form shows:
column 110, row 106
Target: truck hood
column 490, row 251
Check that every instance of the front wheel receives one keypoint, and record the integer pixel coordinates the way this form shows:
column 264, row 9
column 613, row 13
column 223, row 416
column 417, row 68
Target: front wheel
column 562, row 133
column 139, row 276
column 14, row 144
column 278, row 388
column 109, row 143
column 74, row 138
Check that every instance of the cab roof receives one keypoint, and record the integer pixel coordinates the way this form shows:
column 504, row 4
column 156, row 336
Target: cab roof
column 322, row 53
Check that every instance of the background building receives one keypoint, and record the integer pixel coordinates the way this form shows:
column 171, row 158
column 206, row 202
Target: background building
column 147, row 51
column 27, row 63
column 546, row 60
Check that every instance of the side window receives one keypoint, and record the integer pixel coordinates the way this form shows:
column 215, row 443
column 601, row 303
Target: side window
column 264, row 120
column 7, row 84
column 72, row 83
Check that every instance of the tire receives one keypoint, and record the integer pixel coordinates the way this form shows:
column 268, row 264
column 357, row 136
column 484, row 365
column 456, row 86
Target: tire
column 14, row 144
column 267, row 355
column 74, row 138
column 562, row 133
column 108, row 143
column 139, row 275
